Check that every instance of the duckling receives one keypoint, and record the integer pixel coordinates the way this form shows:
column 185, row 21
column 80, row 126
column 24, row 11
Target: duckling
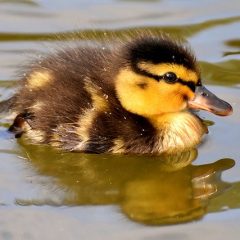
column 132, row 96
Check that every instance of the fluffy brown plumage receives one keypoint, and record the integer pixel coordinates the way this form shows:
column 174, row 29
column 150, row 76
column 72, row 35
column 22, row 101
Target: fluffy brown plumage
column 110, row 98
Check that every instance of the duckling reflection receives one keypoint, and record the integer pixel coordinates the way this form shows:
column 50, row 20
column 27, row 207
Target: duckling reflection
column 150, row 190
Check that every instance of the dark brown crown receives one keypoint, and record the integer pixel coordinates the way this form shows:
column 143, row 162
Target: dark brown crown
column 160, row 49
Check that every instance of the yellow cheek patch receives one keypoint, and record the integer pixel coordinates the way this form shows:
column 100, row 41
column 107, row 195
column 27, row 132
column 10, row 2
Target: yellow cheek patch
column 162, row 68
column 178, row 90
column 39, row 79
column 172, row 97
column 134, row 98
column 155, row 98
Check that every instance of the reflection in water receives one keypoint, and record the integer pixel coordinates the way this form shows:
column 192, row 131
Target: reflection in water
column 234, row 43
column 99, row 34
column 29, row 2
column 150, row 190
column 216, row 73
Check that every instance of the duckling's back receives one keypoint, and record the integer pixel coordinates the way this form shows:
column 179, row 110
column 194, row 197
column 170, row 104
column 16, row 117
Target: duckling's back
column 68, row 100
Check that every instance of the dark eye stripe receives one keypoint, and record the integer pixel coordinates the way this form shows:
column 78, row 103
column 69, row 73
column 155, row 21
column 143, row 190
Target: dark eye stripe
column 189, row 84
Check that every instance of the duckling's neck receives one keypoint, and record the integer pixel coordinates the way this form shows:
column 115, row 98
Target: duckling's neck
column 178, row 131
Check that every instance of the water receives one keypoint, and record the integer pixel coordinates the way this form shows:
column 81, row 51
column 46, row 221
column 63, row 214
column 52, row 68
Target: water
column 48, row 195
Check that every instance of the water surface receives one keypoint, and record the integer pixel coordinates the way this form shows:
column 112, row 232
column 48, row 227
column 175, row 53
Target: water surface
column 49, row 195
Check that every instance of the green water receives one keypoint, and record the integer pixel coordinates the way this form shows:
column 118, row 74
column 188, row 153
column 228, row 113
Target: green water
column 50, row 195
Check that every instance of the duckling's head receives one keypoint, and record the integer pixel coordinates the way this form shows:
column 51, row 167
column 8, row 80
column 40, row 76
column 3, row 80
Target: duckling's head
column 160, row 75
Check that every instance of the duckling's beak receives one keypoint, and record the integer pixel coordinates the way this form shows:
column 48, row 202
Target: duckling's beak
column 206, row 100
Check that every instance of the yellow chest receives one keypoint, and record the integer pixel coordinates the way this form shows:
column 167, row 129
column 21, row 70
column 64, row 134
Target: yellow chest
column 178, row 131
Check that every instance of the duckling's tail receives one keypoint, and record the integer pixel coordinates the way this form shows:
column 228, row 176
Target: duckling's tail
column 7, row 104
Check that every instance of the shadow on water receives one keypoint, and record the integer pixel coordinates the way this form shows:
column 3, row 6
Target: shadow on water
column 148, row 189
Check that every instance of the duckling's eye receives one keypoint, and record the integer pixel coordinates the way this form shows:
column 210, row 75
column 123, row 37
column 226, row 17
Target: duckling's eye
column 170, row 77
